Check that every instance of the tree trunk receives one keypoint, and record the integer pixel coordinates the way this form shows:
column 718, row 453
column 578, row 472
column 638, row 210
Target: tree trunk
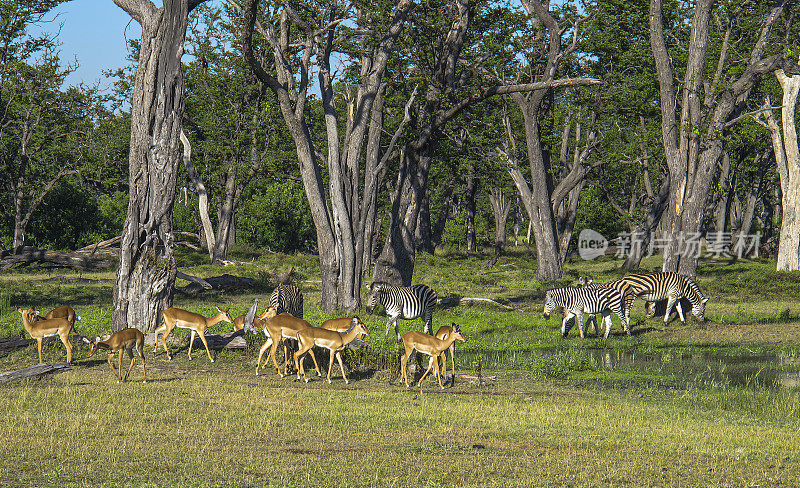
column 500, row 209
column 787, row 156
column 472, row 242
column 146, row 273
column 207, row 230
column 693, row 144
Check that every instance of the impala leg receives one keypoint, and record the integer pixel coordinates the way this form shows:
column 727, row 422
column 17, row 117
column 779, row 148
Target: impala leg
column 438, row 375
column 119, row 367
column 314, row 358
column 164, row 335
column 339, row 358
column 298, row 364
column 330, row 366
column 453, row 360
column 111, row 365
column 261, row 352
column 205, row 343
column 133, row 358
column 403, row 362
column 191, row 343
column 434, row 361
column 272, row 352
column 39, row 346
column 140, row 350
column 67, row 345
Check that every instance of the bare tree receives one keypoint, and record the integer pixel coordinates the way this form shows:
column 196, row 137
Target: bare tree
column 343, row 213
column 693, row 140
column 450, row 90
column 146, row 272
column 787, row 156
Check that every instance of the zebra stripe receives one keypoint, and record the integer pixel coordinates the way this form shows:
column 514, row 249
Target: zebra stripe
column 671, row 286
column 403, row 302
column 590, row 300
column 287, row 299
column 623, row 287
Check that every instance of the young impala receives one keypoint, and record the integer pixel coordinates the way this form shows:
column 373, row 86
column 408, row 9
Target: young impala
column 40, row 329
column 430, row 345
column 177, row 317
column 124, row 340
column 330, row 340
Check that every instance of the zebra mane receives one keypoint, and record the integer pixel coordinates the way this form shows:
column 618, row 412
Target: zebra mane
column 377, row 284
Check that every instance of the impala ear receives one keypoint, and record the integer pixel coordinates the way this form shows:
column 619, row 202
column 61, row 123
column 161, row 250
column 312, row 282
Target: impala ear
column 354, row 322
column 86, row 340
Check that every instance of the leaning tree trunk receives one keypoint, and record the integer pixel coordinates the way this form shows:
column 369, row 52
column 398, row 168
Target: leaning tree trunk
column 146, row 273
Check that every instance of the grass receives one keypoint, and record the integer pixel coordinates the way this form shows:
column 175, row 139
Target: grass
column 553, row 415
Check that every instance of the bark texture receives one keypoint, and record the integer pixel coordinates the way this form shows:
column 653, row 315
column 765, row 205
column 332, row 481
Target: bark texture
column 146, row 273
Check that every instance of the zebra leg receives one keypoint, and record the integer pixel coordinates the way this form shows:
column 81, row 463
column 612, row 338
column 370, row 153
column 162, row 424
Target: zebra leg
column 680, row 310
column 670, row 304
column 392, row 321
column 428, row 321
column 564, row 329
column 579, row 321
column 607, row 320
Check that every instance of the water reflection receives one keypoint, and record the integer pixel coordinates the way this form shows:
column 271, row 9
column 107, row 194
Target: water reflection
column 695, row 368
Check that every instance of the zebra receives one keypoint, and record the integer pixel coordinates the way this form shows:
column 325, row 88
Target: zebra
column 287, row 299
column 625, row 290
column 402, row 302
column 671, row 286
column 577, row 301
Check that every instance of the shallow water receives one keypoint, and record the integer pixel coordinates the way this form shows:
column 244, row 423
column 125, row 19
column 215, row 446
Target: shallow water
column 674, row 368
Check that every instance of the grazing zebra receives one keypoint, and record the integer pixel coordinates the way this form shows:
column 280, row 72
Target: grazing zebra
column 402, row 302
column 670, row 286
column 590, row 300
column 287, row 299
column 625, row 290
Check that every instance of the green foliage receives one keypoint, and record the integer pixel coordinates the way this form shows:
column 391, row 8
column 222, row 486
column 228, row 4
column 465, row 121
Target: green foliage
column 277, row 217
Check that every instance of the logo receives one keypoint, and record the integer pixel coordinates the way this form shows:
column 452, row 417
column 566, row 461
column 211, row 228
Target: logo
column 591, row 244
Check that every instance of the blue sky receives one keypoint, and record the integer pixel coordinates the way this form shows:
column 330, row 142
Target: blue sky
column 94, row 33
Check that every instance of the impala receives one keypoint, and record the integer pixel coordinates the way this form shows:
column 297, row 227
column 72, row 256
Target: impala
column 330, row 340
column 442, row 334
column 63, row 312
column 124, row 340
column 40, row 329
column 278, row 328
column 341, row 325
column 177, row 317
column 430, row 345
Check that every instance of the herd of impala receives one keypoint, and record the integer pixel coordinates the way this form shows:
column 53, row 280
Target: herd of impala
column 333, row 335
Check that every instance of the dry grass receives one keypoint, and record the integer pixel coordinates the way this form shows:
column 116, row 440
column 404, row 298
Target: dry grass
column 202, row 425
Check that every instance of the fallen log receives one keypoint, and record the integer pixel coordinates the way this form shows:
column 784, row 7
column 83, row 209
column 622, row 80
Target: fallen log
column 31, row 371
column 455, row 301
column 194, row 279
column 30, row 254
column 225, row 282
column 9, row 344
